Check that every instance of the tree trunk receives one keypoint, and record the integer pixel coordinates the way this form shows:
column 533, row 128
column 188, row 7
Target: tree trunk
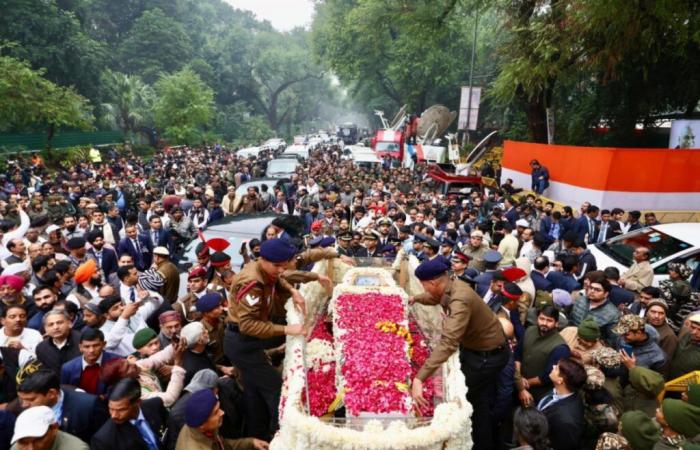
column 49, row 136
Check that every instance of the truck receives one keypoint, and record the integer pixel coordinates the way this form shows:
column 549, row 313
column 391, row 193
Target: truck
column 347, row 133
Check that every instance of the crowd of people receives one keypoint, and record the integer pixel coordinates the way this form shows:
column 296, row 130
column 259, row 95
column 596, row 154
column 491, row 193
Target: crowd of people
column 101, row 346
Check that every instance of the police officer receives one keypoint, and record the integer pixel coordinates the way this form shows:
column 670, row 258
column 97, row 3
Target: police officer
column 255, row 323
column 344, row 248
column 474, row 329
column 483, row 281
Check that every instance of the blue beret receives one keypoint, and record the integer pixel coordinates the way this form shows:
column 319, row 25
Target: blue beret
column 431, row 269
column 277, row 250
column 492, row 256
column 199, row 406
column 316, row 241
column 327, row 241
column 207, row 302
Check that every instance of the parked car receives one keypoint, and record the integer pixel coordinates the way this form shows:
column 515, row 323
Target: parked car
column 672, row 242
column 281, row 168
column 237, row 230
column 248, row 152
column 274, row 144
column 300, row 150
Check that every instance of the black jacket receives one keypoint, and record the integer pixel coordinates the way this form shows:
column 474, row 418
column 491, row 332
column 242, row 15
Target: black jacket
column 83, row 414
column 126, row 436
column 566, row 423
column 52, row 357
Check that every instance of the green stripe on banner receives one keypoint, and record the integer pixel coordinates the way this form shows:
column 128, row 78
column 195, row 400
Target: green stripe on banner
column 37, row 141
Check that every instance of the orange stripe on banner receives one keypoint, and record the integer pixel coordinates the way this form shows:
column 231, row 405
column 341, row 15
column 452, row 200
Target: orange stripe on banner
column 609, row 168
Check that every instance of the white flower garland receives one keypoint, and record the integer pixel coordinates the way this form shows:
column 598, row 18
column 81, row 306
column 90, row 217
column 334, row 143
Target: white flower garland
column 449, row 429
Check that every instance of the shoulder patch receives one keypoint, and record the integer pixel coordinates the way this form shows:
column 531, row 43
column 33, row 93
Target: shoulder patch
column 244, row 290
column 252, row 301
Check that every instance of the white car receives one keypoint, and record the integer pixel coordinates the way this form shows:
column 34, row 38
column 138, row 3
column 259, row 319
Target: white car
column 248, row 152
column 274, row 144
column 672, row 242
column 297, row 149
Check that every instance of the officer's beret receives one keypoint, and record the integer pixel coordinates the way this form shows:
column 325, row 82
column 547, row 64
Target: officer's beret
column 75, row 243
column 327, row 242
column 492, row 256
column 197, row 272
column 315, row 242
column 512, row 291
column 277, row 250
column 514, row 273
column 219, row 259
column 108, row 302
column 199, row 406
column 143, row 337
column 207, row 302
column 431, row 269
column 201, row 249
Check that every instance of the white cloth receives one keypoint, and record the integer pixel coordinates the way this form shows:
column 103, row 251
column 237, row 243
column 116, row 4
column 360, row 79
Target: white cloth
column 28, row 338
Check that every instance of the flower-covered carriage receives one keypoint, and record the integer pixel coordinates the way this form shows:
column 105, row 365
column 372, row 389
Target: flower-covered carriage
column 347, row 385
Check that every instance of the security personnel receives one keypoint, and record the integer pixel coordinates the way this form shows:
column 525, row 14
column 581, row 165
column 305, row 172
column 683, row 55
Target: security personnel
column 460, row 261
column 474, row 329
column 196, row 288
column 483, row 281
column 212, row 311
column 344, row 248
column 223, row 273
column 371, row 248
column 256, row 310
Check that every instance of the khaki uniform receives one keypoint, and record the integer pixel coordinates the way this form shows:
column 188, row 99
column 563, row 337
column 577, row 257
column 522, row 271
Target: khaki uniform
column 254, row 299
column 191, row 439
column 216, row 338
column 187, row 306
column 470, row 323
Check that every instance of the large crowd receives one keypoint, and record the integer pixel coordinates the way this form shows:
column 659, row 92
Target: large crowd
column 101, row 347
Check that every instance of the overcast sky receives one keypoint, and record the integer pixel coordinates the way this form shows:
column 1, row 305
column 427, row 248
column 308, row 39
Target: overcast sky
column 283, row 14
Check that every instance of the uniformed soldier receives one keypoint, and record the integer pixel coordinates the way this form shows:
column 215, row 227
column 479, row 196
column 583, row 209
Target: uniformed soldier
column 371, row 248
column 343, row 247
column 483, row 281
column 460, row 261
column 474, row 329
column 384, row 228
column 255, row 323
column 223, row 273
column 210, row 306
column 196, row 288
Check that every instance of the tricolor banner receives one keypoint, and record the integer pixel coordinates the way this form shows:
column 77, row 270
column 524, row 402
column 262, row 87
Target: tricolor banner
column 628, row 178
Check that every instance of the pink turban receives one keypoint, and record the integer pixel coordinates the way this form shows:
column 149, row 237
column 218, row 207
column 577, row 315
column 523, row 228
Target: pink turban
column 15, row 282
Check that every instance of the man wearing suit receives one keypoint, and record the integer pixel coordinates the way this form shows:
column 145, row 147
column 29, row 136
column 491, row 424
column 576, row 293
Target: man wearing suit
column 586, row 226
column 511, row 211
column 133, row 424
column 84, row 371
column 607, row 228
column 539, row 274
column 618, row 295
column 564, row 407
column 139, row 247
column 565, row 278
column 106, row 258
column 77, row 413
column 483, row 280
column 157, row 236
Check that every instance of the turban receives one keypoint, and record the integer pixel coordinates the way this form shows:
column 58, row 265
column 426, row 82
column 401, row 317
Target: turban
column 151, row 280
column 85, row 271
column 15, row 282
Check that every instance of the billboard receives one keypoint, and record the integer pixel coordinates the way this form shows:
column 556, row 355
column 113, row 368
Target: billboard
column 465, row 111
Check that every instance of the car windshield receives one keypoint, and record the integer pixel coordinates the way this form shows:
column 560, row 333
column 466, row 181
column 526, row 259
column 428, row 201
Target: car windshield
column 281, row 166
column 387, row 147
column 660, row 245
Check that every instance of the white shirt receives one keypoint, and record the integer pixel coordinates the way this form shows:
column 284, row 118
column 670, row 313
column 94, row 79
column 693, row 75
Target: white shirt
column 120, row 334
column 98, row 362
column 28, row 338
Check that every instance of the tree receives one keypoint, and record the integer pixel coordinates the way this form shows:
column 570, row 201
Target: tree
column 130, row 101
column 28, row 100
column 51, row 38
column 185, row 106
column 155, row 44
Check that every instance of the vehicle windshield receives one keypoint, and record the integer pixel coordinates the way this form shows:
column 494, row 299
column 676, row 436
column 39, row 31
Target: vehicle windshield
column 281, row 166
column 660, row 245
column 387, row 147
